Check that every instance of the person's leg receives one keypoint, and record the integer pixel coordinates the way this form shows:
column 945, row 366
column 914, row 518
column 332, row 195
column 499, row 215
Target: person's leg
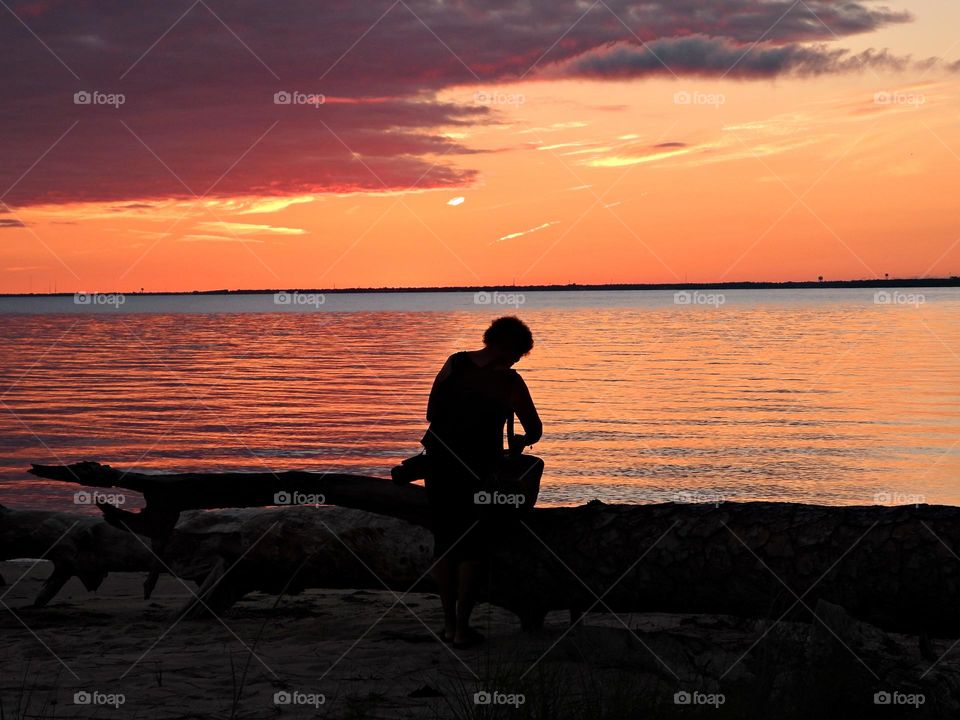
column 445, row 535
column 468, row 579
column 445, row 574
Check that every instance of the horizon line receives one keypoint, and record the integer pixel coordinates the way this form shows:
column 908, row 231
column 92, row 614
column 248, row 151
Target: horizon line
column 949, row 281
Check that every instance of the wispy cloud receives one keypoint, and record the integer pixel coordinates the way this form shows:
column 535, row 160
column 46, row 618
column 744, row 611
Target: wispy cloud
column 559, row 146
column 554, row 127
column 511, row 236
column 642, row 156
column 257, row 206
column 251, row 229
column 217, row 238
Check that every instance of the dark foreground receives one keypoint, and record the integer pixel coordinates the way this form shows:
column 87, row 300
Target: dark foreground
column 362, row 654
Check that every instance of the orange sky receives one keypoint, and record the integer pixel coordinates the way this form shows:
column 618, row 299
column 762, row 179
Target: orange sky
column 582, row 181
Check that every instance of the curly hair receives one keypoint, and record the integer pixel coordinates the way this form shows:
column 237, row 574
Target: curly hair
column 509, row 333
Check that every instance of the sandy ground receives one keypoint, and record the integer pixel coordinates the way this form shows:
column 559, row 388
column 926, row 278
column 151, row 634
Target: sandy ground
column 366, row 655
column 361, row 654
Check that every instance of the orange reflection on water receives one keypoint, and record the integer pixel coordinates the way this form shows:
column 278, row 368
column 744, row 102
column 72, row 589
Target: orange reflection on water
column 817, row 399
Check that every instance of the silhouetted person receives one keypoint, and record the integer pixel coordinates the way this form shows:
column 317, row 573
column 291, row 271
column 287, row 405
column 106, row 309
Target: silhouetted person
column 473, row 396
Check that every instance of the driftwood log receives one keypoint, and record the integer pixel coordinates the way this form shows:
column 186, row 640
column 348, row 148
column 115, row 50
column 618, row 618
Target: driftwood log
column 894, row 567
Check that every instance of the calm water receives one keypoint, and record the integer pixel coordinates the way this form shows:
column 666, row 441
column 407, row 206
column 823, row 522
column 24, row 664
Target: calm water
column 817, row 396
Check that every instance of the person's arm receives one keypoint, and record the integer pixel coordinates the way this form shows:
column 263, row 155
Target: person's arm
column 527, row 413
column 444, row 373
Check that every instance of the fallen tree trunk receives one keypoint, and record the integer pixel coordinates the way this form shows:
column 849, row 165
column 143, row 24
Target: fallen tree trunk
column 892, row 566
column 168, row 494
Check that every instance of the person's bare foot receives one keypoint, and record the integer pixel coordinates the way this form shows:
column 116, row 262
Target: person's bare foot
column 467, row 638
column 448, row 633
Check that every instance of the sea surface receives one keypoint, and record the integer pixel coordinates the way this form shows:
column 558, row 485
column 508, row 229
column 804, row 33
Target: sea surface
column 832, row 396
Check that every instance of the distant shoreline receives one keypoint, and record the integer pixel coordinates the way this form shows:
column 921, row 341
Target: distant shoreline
column 953, row 281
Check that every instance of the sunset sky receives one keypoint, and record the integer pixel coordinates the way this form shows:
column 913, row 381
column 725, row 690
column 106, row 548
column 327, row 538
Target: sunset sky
column 468, row 143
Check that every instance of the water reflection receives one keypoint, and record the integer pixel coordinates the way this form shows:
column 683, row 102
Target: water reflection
column 828, row 400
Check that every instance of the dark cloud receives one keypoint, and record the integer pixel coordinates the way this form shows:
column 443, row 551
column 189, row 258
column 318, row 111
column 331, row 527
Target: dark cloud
column 198, row 86
column 133, row 206
column 711, row 56
column 5, row 223
column 671, row 145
